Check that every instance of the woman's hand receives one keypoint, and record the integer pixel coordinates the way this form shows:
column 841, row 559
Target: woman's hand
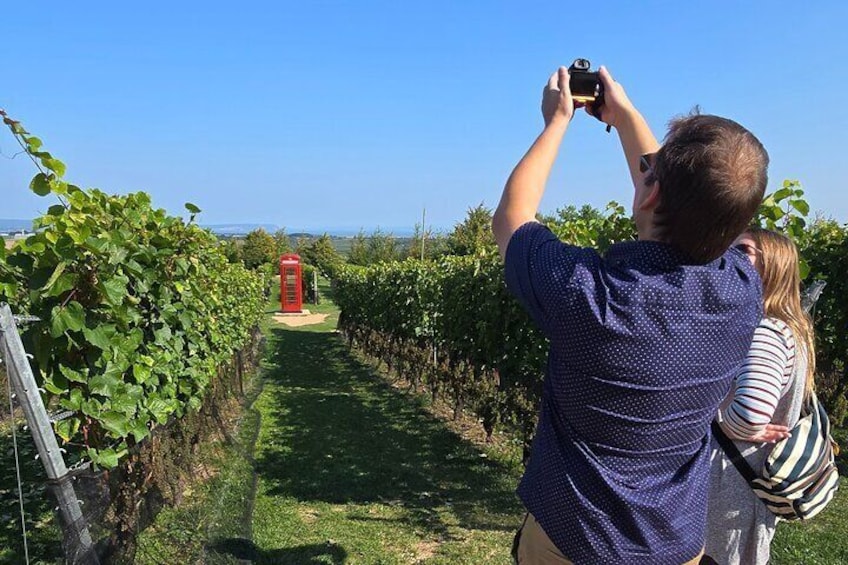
column 772, row 433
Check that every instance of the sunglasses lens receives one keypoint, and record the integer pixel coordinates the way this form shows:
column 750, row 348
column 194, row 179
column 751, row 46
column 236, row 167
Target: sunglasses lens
column 646, row 162
column 747, row 249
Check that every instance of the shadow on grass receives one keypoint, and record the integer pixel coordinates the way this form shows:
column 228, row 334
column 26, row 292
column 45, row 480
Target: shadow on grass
column 43, row 538
column 246, row 550
column 343, row 435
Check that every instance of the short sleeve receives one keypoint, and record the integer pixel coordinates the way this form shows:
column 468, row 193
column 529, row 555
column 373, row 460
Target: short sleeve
column 545, row 274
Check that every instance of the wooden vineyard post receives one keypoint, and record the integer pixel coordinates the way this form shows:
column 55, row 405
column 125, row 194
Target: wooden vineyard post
column 74, row 527
column 423, row 230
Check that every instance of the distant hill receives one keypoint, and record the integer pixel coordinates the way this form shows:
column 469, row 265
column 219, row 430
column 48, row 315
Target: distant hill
column 15, row 225
column 239, row 229
column 307, row 232
column 9, row 226
column 398, row 232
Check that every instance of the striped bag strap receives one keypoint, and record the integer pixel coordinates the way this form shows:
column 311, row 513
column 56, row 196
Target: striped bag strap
column 733, row 453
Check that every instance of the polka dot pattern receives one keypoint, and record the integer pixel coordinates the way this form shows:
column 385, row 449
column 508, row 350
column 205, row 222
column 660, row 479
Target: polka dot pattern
column 643, row 348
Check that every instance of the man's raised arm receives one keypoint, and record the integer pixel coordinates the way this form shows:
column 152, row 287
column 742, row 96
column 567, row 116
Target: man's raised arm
column 526, row 185
column 633, row 131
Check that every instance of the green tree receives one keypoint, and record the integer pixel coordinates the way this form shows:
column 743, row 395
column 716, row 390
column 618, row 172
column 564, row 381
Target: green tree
column 283, row 242
column 382, row 247
column 322, row 254
column 379, row 247
column 301, row 246
column 474, row 235
column 259, row 248
column 232, row 249
column 590, row 227
column 358, row 254
column 825, row 254
column 435, row 245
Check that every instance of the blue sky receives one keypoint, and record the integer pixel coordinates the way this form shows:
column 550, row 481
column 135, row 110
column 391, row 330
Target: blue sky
column 350, row 114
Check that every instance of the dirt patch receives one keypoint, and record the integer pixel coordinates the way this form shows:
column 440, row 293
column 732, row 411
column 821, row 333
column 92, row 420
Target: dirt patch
column 425, row 550
column 307, row 516
column 298, row 320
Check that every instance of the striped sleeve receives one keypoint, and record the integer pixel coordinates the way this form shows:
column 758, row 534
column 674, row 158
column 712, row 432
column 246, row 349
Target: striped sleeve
column 761, row 381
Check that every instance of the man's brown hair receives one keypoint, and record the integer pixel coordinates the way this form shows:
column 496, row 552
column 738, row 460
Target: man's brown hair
column 712, row 175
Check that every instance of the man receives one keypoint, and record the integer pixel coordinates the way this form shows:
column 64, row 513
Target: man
column 644, row 341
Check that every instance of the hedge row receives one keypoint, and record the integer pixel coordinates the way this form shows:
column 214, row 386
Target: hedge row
column 451, row 325
column 138, row 309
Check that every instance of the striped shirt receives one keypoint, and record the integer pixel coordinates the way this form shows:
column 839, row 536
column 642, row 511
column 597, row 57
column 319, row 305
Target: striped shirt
column 762, row 380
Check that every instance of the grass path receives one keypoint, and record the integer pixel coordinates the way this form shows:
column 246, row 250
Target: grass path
column 351, row 470
column 348, row 469
column 333, row 465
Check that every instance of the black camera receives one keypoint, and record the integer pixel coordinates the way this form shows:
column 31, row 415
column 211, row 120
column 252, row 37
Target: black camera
column 586, row 85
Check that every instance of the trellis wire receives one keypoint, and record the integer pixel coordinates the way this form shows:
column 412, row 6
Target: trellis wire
column 15, row 444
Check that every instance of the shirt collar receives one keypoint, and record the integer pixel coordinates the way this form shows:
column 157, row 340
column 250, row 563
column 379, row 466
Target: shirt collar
column 653, row 254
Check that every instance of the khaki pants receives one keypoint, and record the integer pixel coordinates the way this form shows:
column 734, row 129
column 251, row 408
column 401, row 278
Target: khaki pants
column 532, row 546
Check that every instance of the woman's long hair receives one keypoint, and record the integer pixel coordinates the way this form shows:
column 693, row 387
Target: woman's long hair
column 778, row 267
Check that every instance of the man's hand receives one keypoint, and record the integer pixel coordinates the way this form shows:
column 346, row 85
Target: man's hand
column 557, row 102
column 526, row 185
column 616, row 103
column 633, row 131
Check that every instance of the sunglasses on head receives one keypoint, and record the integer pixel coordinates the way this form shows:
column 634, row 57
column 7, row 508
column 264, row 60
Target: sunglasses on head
column 646, row 162
column 747, row 249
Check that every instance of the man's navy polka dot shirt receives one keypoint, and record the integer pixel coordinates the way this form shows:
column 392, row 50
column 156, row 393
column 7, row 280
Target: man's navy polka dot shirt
column 643, row 348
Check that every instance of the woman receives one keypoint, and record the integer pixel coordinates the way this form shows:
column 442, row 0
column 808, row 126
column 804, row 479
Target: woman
column 770, row 389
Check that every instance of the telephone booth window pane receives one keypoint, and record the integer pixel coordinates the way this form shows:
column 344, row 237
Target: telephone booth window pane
column 290, row 285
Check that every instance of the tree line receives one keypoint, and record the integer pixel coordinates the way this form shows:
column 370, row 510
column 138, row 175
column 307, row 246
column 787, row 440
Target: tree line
column 261, row 250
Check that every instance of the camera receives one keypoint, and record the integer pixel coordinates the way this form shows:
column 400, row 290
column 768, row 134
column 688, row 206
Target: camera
column 586, row 85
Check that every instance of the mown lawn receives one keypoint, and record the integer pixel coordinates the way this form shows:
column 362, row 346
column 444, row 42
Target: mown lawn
column 332, row 464
column 351, row 470
column 43, row 537
column 213, row 508
column 347, row 469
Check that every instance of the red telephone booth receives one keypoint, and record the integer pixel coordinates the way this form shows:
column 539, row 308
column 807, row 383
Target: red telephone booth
column 291, row 291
